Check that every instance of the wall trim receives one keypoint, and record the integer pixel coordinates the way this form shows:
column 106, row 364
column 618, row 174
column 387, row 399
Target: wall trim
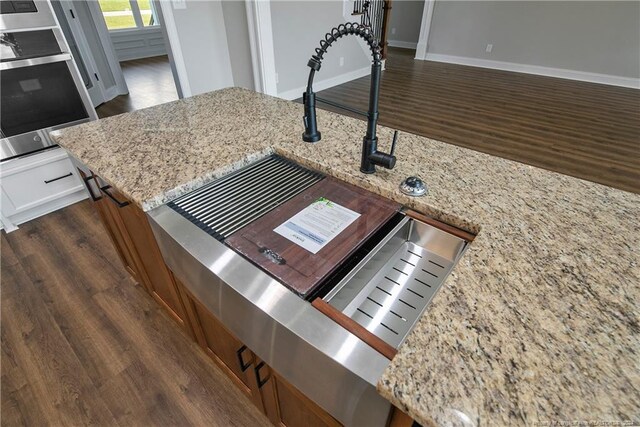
column 109, row 50
column 111, row 93
column 72, row 18
column 538, row 70
column 319, row 85
column 261, row 44
column 138, row 43
column 167, row 44
column 402, row 44
column 425, row 29
column 174, row 47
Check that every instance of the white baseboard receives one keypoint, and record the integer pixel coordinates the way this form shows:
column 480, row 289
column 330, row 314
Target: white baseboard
column 142, row 53
column 420, row 49
column 538, row 70
column 112, row 92
column 11, row 224
column 326, row 84
column 402, row 44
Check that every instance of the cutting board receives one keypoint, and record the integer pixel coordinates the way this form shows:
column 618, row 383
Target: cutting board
column 296, row 267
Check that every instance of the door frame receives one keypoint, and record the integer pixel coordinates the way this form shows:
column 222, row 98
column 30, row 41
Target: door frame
column 120, row 87
column 261, row 44
column 86, row 55
column 164, row 10
column 172, row 51
column 260, row 40
column 425, row 28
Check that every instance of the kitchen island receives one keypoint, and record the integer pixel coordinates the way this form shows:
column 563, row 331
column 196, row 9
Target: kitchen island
column 537, row 323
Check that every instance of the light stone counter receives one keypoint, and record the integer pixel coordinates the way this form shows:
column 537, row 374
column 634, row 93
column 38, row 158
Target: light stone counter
column 538, row 323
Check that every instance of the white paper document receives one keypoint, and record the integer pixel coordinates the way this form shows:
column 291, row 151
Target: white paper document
column 317, row 224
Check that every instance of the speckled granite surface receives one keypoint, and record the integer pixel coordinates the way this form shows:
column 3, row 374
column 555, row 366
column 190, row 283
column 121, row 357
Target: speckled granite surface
column 539, row 323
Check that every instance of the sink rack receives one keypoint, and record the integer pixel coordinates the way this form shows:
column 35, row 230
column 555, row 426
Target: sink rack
column 229, row 203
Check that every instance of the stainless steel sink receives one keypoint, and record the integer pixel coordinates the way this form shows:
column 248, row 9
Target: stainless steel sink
column 388, row 290
column 385, row 285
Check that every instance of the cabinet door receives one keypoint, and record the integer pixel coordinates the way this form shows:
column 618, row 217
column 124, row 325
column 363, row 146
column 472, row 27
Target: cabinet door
column 133, row 239
column 227, row 351
column 285, row 405
column 400, row 419
column 154, row 273
column 115, row 229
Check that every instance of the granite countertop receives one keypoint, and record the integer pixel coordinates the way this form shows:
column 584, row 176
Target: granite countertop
column 539, row 321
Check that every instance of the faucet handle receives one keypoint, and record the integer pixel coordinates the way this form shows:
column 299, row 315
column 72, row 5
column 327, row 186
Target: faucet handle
column 393, row 143
column 379, row 158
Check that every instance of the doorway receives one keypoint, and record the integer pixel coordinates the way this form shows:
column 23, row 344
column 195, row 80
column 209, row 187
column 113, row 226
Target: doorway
column 122, row 47
column 150, row 83
column 405, row 23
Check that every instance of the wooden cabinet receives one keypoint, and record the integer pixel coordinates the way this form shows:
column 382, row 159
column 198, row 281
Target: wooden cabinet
column 119, row 237
column 288, row 407
column 134, row 242
column 280, row 401
column 32, row 186
column 153, row 272
column 227, row 351
column 400, row 419
column 136, row 246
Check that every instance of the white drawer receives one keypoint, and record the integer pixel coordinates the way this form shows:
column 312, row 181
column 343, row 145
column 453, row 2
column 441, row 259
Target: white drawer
column 27, row 187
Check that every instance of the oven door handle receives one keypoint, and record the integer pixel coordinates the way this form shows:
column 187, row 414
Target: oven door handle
column 21, row 63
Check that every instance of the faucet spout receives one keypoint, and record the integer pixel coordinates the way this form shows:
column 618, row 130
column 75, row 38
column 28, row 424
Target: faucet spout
column 371, row 157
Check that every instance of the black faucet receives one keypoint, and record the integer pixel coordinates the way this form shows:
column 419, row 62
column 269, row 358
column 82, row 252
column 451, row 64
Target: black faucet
column 370, row 154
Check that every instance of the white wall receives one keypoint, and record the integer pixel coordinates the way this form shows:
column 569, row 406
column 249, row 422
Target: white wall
column 585, row 37
column 298, row 27
column 404, row 26
column 199, row 45
column 211, row 49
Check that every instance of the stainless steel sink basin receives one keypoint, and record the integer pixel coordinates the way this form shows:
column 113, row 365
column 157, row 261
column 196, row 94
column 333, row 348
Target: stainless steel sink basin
column 388, row 290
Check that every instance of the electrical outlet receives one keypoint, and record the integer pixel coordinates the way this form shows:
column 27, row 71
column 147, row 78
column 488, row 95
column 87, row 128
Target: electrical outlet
column 489, row 48
column 393, row 30
column 341, row 61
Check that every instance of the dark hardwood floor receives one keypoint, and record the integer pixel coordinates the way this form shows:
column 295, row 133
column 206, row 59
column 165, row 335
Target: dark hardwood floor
column 83, row 344
column 585, row 130
column 150, row 83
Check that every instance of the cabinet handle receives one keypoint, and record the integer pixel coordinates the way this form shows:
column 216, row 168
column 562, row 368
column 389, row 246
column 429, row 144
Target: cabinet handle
column 86, row 180
column 260, row 382
column 47, row 181
column 105, row 191
column 243, row 366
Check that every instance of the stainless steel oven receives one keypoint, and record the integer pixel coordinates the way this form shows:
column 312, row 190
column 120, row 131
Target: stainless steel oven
column 40, row 87
column 16, row 14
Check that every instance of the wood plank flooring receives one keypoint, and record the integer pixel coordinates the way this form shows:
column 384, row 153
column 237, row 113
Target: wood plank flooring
column 83, row 344
column 585, row 130
column 150, row 83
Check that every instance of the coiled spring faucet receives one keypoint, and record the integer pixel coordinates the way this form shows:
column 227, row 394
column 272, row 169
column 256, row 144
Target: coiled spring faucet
column 371, row 157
